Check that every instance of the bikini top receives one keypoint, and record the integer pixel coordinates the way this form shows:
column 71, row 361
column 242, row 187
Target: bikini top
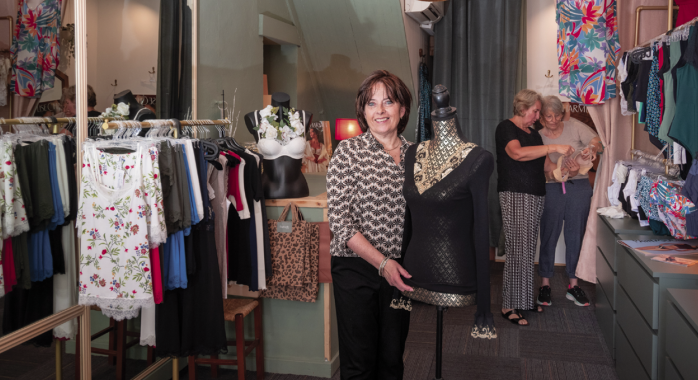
column 272, row 149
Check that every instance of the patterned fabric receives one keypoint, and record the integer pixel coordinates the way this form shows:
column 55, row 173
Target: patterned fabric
column 441, row 299
column 587, row 47
column 364, row 194
column 672, row 207
column 642, row 195
column 14, row 220
column 425, row 175
column 652, row 119
column 121, row 218
column 35, row 48
column 306, row 288
column 521, row 215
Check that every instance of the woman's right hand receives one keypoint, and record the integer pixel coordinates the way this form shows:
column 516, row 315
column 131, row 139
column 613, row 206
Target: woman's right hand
column 393, row 273
column 564, row 150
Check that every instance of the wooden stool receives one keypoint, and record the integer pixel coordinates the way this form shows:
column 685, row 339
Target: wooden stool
column 117, row 346
column 235, row 309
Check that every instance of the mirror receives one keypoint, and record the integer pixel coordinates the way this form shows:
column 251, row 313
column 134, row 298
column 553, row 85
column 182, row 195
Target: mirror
column 122, row 66
column 28, row 361
column 39, row 264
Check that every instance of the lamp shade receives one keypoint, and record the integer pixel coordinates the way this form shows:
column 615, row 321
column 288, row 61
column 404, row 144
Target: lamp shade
column 346, row 129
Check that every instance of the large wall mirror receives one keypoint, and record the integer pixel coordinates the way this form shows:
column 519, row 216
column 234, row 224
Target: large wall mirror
column 123, row 44
column 39, row 262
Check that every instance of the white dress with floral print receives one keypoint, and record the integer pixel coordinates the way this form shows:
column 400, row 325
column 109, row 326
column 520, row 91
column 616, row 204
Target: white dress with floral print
column 120, row 218
column 14, row 217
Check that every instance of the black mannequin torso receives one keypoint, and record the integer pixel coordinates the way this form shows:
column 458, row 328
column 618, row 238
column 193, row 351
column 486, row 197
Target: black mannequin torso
column 282, row 176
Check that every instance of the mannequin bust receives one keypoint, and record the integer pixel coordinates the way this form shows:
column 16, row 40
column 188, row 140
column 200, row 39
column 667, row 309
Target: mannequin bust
column 136, row 111
column 446, row 240
column 282, row 177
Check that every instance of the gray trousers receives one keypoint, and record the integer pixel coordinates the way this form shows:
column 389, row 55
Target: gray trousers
column 571, row 208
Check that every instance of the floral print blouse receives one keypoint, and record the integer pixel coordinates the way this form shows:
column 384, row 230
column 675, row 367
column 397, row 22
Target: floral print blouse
column 587, row 49
column 120, row 218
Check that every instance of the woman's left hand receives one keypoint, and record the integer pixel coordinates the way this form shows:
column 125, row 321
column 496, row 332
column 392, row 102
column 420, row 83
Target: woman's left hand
column 393, row 272
column 572, row 167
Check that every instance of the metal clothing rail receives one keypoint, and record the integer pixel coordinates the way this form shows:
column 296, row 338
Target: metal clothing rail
column 670, row 23
column 161, row 122
column 52, row 120
column 644, row 157
column 151, row 123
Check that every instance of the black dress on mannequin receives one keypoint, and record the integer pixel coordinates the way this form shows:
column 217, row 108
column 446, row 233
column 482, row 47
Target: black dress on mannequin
column 282, row 176
column 445, row 243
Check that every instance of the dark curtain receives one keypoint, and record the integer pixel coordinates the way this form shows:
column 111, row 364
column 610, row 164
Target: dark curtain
column 476, row 53
column 174, row 60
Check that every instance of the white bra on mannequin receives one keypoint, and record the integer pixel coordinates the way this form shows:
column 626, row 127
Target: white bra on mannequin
column 272, row 149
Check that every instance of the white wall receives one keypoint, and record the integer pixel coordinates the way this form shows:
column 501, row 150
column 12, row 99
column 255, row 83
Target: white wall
column 541, row 45
column 416, row 39
column 541, row 53
column 122, row 45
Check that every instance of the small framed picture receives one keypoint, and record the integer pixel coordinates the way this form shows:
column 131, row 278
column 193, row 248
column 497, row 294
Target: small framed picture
column 318, row 148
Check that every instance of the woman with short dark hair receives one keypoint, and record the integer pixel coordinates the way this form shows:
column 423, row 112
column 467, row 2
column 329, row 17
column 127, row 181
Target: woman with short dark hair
column 366, row 214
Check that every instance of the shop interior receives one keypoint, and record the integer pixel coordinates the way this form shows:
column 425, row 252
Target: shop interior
column 191, row 86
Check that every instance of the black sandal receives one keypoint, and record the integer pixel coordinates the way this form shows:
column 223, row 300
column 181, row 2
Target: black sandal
column 514, row 320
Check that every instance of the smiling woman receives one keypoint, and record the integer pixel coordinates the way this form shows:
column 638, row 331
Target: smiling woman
column 366, row 213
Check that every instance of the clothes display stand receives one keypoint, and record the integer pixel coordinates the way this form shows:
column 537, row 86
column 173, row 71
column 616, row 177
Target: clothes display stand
column 445, row 196
column 439, row 340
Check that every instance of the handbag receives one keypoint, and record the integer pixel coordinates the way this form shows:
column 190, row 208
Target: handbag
column 295, row 250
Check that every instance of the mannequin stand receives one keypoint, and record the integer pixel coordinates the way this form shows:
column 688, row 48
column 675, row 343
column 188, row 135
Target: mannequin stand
column 439, row 335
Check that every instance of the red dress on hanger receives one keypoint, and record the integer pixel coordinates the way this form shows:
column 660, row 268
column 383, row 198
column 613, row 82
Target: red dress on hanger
column 688, row 10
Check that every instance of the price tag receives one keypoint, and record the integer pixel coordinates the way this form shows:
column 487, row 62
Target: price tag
column 285, row 227
column 119, row 174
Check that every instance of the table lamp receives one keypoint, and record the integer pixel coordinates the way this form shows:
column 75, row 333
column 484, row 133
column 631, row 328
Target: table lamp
column 346, row 129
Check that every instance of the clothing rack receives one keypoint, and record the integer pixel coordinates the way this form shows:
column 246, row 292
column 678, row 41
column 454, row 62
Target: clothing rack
column 682, row 28
column 170, row 122
column 670, row 23
column 644, row 157
column 53, row 121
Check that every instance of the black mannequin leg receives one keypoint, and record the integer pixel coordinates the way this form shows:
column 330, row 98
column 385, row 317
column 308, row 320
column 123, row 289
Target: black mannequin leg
column 439, row 334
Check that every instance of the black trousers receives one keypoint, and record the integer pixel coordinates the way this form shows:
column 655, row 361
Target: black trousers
column 371, row 334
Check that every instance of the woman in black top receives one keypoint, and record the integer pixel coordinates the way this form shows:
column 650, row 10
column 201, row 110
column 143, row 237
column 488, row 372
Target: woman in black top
column 522, row 164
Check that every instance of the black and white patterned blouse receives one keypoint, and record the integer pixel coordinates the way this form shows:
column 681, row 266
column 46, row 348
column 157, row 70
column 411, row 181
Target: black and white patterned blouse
column 364, row 194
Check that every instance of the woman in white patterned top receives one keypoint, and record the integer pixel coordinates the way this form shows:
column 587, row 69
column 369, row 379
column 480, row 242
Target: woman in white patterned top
column 366, row 215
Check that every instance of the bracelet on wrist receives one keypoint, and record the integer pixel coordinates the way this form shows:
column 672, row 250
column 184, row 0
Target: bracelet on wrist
column 382, row 266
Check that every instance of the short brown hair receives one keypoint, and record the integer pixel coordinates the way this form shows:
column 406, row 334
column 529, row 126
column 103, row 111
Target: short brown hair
column 524, row 100
column 397, row 92
column 69, row 94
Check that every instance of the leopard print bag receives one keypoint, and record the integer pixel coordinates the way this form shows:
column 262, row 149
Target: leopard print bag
column 294, row 259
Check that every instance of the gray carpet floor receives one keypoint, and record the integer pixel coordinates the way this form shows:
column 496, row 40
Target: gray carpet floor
column 562, row 343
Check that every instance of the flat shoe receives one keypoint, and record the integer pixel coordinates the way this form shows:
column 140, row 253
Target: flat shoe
column 514, row 320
